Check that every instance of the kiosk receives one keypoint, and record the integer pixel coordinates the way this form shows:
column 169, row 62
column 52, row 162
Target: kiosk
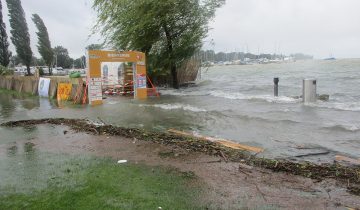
column 126, row 69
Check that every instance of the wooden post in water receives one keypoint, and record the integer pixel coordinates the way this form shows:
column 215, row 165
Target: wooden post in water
column 276, row 86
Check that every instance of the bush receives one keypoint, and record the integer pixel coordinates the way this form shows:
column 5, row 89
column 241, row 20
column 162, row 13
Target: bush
column 41, row 71
column 5, row 71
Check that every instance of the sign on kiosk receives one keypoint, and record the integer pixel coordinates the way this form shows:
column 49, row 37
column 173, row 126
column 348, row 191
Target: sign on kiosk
column 141, row 81
column 95, row 91
column 99, row 59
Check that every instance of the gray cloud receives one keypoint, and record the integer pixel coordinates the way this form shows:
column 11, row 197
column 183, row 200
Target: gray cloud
column 317, row 27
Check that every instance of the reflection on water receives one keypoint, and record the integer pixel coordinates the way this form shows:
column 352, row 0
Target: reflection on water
column 7, row 105
column 29, row 148
column 12, row 151
column 30, row 104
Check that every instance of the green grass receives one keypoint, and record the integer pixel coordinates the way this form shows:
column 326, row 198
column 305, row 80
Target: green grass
column 15, row 93
column 103, row 184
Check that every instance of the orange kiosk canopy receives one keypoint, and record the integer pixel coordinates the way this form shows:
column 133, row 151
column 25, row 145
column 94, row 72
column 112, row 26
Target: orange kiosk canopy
column 94, row 76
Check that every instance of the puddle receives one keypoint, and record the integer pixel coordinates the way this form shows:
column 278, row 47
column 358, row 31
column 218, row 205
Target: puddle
column 28, row 171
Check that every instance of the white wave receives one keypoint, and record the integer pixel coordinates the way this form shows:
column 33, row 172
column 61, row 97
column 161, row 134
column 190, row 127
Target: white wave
column 351, row 127
column 346, row 127
column 346, row 106
column 173, row 93
column 240, row 96
column 185, row 107
column 182, row 93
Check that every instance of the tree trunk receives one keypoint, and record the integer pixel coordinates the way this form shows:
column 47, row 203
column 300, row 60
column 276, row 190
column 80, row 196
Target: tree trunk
column 28, row 70
column 173, row 68
column 50, row 70
column 174, row 76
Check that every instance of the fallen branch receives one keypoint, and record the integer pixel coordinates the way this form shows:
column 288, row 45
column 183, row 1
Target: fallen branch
column 245, row 166
column 94, row 129
column 261, row 193
column 224, row 156
column 313, row 154
column 223, row 142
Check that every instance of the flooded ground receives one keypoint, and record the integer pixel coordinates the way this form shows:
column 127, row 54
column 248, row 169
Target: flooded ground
column 54, row 162
column 234, row 102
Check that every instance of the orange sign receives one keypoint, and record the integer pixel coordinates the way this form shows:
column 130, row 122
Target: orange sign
column 64, row 91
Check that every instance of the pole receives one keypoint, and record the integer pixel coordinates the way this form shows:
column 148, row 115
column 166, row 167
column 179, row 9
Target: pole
column 309, row 91
column 276, row 86
column 56, row 67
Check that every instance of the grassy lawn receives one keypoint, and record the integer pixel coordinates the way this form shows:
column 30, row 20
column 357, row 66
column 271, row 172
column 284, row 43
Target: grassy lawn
column 100, row 184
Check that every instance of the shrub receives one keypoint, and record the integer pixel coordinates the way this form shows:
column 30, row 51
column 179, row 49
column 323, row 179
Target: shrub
column 41, row 71
column 5, row 71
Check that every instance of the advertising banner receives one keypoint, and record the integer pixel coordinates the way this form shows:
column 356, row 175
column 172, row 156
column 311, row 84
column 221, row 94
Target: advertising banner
column 43, row 87
column 141, row 81
column 64, row 91
column 95, row 90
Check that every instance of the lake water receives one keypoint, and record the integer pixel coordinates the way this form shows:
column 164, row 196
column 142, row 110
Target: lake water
column 236, row 102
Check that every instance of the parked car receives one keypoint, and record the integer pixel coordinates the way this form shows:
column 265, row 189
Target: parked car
column 20, row 70
column 60, row 71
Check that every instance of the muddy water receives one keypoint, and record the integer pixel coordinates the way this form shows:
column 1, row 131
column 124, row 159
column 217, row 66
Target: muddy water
column 235, row 102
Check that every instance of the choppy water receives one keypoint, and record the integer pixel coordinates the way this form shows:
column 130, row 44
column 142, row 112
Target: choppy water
column 236, row 102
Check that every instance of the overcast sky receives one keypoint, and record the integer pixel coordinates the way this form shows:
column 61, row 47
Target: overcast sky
column 316, row 27
column 69, row 23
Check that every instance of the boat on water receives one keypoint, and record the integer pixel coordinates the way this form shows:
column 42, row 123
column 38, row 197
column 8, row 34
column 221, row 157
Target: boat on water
column 330, row 58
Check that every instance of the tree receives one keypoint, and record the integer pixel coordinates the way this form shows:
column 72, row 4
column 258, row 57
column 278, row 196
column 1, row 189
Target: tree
column 95, row 47
column 20, row 32
column 80, row 63
column 5, row 54
column 169, row 31
column 38, row 61
column 44, row 45
column 62, row 57
column 14, row 60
